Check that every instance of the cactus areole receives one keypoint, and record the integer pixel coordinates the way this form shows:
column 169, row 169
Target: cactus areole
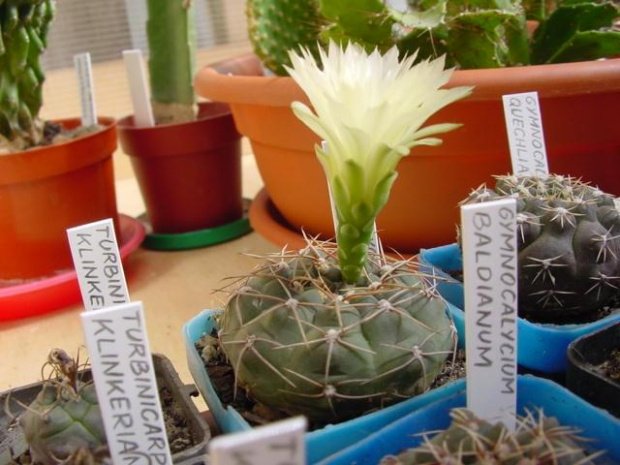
column 23, row 31
column 370, row 109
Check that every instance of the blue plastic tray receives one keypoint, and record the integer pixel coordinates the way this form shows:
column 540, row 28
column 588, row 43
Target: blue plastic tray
column 532, row 392
column 541, row 347
column 319, row 443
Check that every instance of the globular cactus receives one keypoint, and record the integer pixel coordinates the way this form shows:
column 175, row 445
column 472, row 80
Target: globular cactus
column 303, row 341
column 568, row 242
column 64, row 424
column 23, row 32
column 277, row 26
column 537, row 440
column 172, row 49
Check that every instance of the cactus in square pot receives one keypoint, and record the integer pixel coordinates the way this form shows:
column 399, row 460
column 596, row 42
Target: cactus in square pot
column 578, row 115
column 188, row 164
column 569, row 263
column 53, row 175
column 334, row 331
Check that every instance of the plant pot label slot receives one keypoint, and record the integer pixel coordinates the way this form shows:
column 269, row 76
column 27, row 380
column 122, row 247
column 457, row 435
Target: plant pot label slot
column 525, row 134
column 279, row 443
column 124, row 375
column 490, row 267
column 84, row 72
column 98, row 265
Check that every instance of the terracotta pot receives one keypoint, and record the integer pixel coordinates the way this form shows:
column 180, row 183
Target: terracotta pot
column 46, row 190
column 189, row 174
column 579, row 103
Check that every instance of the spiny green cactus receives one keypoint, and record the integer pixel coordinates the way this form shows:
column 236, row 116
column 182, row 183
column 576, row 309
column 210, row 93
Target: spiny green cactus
column 468, row 441
column 277, row 26
column 303, row 341
column 64, row 423
column 569, row 247
column 172, row 48
column 23, row 32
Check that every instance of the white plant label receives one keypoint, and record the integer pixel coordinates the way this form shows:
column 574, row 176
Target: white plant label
column 279, row 443
column 98, row 265
column 123, row 372
column 490, row 271
column 84, row 72
column 138, row 89
column 375, row 243
column 525, row 134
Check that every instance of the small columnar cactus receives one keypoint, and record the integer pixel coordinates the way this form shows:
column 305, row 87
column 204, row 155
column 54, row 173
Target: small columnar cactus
column 23, row 31
column 569, row 247
column 277, row 26
column 537, row 440
column 64, row 424
column 303, row 341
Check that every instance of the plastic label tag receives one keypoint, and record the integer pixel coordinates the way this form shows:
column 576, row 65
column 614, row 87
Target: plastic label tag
column 87, row 94
column 525, row 134
column 98, row 265
column 138, row 89
column 490, row 271
column 124, row 375
column 279, row 443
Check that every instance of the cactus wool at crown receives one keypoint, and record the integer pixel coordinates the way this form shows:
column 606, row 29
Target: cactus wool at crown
column 302, row 341
column 569, row 244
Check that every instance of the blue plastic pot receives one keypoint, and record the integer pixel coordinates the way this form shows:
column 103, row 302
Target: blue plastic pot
column 542, row 347
column 533, row 393
column 319, row 443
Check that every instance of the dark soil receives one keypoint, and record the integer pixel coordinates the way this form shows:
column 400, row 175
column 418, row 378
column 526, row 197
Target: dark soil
column 222, row 377
column 178, row 431
column 611, row 367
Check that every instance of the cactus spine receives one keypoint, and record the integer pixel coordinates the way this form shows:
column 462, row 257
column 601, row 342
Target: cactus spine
column 23, row 38
column 537, row 440
column 569, row 249
column 172, row 47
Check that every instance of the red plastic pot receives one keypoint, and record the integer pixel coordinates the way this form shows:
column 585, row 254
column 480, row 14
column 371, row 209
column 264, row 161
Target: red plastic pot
column 579, row 104
column 44, row 191
column 190, row 173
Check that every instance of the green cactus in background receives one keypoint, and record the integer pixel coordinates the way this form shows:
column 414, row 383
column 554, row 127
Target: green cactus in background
column 64, row 423
column 471, row 33
column 303, row 341
column 468, row 441
column 172, row 47
column 569, row 248
column 277, row 26
column 23, row 38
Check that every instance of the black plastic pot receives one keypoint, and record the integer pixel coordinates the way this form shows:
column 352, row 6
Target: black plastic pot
column 584, row 378
column 12, row 441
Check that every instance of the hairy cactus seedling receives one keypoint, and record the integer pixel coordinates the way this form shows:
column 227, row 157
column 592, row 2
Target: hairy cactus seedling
column 568, row 241
column 277, row 26
column 172, row 48
column 537, row 440
column 64, row 424
column 23, row 37
column 303, row 341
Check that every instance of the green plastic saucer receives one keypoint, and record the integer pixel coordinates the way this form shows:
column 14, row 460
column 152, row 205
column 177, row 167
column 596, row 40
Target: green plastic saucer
column 200, row 238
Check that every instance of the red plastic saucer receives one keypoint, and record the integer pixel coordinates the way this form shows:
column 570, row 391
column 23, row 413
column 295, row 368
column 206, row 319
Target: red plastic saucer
column 54, row 292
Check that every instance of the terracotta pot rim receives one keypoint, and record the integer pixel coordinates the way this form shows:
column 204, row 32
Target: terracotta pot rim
column 53, row 160
column 551, row 80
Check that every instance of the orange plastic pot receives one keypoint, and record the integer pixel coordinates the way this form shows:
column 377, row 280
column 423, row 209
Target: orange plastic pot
column 189, row 174
column 46, row 190
column 579, row 103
